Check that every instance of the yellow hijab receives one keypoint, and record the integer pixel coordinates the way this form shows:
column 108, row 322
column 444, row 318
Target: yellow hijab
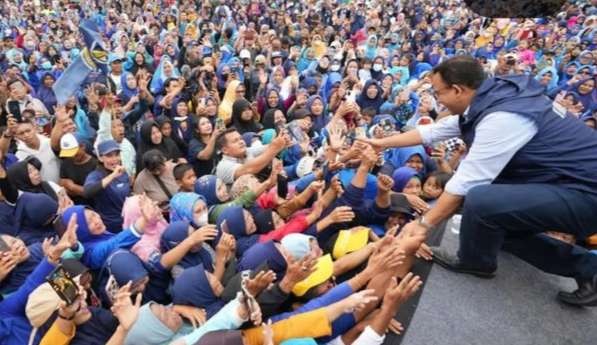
column 225, row 108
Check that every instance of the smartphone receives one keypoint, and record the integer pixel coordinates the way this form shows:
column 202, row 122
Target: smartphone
column 282, row 186
column 220, row 125
column 15, row 109
column 64, row 285
column 4, row 247
column 112, row 288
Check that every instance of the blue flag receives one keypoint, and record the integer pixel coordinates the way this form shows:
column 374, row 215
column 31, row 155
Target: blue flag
column 93, row 56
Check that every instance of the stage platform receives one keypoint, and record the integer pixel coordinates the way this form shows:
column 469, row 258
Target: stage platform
column 517, row 307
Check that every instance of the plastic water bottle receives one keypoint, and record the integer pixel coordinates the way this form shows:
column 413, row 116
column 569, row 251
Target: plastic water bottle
column 455, row 224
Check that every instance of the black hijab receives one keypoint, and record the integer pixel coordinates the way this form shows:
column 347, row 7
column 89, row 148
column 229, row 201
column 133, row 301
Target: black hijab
column 243, row 126
column 18, row 175
column 167, row 146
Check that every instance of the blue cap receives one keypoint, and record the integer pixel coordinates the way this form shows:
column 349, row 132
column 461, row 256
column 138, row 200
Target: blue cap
column 107, row 146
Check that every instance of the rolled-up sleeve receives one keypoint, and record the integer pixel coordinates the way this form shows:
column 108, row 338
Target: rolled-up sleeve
column 497, row 138
column 443, row 129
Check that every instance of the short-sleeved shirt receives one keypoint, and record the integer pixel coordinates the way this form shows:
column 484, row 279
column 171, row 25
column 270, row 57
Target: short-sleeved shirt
column 77, row 173
column 228, row 165
column 201, row 167
column 109, row 201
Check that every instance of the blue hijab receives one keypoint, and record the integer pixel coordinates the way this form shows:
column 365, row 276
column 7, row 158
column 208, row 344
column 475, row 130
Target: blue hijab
column 157, row 82
column 207, row 186
column 127, row 93
column 401, row 177
column 262, row 253
column 554, row 78
column 124, row 266
column 319, row 121
column 235, row 222
column 365, row 102
column 33, row 213
column 182, row 205
column 399, row 156
column 177, row 232
column 83, row 234
column 192, row 288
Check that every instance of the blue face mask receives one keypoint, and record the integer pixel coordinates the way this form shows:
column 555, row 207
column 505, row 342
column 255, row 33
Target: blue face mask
column 46, row 65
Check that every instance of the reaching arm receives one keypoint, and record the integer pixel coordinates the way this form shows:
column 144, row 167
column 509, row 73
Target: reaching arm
column 255, row 165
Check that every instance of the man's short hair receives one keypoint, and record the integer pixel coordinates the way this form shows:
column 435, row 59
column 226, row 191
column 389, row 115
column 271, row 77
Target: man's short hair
column 461, row 70
column 180, row 169
column 221, row 139
column 13, row 81
column 169, row 81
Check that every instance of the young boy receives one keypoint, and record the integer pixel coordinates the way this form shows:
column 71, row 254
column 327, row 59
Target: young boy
column 185, row 177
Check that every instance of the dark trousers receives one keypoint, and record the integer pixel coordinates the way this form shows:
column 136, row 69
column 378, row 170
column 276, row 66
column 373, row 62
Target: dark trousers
column 514, row 217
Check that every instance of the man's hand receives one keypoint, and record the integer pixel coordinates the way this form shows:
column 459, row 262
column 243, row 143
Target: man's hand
column 282, row 141
column 336, row 186
column 62, row 114
column 384, row 183
column 385, row 258
column 369, row 157
column 297, row 271
column 411, row 236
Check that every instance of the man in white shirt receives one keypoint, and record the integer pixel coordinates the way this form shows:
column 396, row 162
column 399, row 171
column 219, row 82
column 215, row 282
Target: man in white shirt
column 31, row 143
column 237, row 160
column 528, row 170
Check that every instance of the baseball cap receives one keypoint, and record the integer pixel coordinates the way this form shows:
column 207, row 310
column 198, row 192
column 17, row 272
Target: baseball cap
column 244, row 54
column 350, row 240
column 276, row 54
column 260, row 59
column 305, row 166
column 399, row 204
column 324, row 269
column 69, row 145
column 107, row 146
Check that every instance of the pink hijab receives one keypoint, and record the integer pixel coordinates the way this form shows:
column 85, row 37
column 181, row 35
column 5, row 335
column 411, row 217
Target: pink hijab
column 150, row 241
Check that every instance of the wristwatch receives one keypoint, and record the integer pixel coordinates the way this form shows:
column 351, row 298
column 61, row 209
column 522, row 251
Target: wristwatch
column 424, row 223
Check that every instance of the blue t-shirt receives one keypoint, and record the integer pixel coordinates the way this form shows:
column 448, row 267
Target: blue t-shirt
column 109, row 201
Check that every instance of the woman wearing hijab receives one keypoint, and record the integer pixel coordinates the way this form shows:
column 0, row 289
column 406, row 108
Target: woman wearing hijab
column 406, row 181
column 371, row 96
column 587, row 93
column 169, row 135
column 97, row 242
column 316, row 107
column 199, row 288
column 130, row 89
column 190, row 207
column 182, row 247
column 151, row 138
column 272, row 118
column 164, row 71
column 25, row 176
column 34, row 217
column 244, row 119
column 548, row 77
column 26, row 258
column 412, row 156
column 150, row 241
column 271, row 99
column 45, row 92
column 125, row 267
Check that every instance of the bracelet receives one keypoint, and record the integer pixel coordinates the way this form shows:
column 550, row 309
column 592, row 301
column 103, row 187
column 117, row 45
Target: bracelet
column 424, row 224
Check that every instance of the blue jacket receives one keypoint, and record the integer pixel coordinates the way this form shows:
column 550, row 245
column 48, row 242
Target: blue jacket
column 563, row 150
column 14, row 325
column 95, row 255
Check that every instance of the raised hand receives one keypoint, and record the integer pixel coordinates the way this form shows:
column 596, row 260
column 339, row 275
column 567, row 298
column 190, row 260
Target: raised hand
column 336, row 137
column 384, row 183
column 359, row 300
column 417, row 203
column 8, row 262
column 226, row 245
column 205, row 233
column 68, row 240
column 123, row 309
column 299, row 270
column 341, row 214
column 336, row 186
column 398, row 293
column 149, row 209
column 424, row 252
column 260, row 282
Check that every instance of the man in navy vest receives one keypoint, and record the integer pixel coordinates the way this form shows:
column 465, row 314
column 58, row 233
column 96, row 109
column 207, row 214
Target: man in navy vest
column 528, row 170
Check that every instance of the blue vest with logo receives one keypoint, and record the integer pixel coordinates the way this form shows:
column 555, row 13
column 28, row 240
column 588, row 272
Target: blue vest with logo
column 564, row 150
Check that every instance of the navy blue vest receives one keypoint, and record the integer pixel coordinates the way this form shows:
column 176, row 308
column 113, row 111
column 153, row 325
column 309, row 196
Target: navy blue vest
column 564, row 150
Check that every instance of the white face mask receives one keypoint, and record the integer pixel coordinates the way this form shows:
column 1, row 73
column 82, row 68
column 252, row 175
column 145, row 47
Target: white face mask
column 377, row 67
column 335, row 68
column 202, row 219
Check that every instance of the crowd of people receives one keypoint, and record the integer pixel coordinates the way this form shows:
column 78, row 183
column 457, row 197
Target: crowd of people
column 218, row 182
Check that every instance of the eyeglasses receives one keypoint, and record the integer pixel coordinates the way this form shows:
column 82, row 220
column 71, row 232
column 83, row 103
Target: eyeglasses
column 436, row 93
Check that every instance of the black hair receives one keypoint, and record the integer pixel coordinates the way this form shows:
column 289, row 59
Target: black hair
column 13, row 81
column 441, row 178
column 462, row 70
column 180, row 169
column 221, row 139
column 168, row 82
column 153, row 159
